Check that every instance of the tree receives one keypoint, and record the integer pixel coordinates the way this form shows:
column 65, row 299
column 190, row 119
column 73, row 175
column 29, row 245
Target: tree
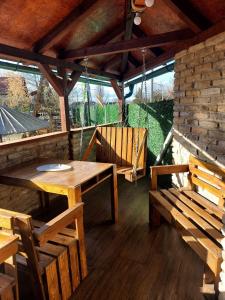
column 46, row 101
column 17, row 93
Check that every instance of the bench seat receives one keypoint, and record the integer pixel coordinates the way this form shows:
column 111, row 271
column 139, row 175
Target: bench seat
column 198, row 220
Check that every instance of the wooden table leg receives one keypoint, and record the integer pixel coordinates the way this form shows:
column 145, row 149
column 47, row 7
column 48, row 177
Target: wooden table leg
column 74, row 196
column 114, row 195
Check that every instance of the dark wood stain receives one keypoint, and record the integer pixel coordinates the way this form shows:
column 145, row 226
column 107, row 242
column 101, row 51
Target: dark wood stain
column 131, row 260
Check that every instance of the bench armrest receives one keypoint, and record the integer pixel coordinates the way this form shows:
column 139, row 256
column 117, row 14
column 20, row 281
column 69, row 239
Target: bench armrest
column 163, row 170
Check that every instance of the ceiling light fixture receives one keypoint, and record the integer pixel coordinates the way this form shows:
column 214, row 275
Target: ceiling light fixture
column 139, row 9
column 149, row 3
column 137, row 19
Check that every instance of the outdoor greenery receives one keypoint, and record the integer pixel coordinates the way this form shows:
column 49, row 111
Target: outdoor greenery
column 99, row 114
column 158, row 118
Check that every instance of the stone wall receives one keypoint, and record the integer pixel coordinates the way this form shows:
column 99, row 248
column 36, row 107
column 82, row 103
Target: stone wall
column 199, row 108
column 54, row 145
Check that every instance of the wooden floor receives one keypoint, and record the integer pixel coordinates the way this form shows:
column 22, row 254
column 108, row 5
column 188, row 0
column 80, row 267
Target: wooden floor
column 131, row 260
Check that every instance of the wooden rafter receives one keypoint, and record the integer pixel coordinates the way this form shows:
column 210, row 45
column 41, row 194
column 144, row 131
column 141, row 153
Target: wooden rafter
column 119, row 93
column 112, row 62
column 156, row 51
column 9, row 52
column 62, row 28
column 125, row 46
column 133, row 60
column 74, row 77
column 187, row 13
column 168, row 55
column 55, row 82
column 127, row 35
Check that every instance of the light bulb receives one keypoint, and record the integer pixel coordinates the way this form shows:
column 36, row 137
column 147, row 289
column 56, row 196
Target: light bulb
column 137, row 19
column 149, row 3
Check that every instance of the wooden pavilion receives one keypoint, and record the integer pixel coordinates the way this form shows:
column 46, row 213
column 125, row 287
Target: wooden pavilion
column 64, row 40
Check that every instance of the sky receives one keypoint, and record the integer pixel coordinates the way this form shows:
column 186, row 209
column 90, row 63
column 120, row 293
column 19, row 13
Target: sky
column 160, row 83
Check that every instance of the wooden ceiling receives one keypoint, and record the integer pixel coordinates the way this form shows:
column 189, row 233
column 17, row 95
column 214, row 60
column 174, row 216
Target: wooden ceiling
column 70, row 30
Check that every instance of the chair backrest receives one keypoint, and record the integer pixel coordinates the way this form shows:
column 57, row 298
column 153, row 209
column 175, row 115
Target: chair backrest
column 32, row 237
column 121, row 145
column 209, row 177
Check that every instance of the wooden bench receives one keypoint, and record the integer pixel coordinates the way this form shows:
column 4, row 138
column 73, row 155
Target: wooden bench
column 52, row 255
column 8, row 266
column 125, row 147
column 198, row 219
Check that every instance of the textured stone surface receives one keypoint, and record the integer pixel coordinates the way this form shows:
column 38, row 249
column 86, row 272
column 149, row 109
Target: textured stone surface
column 199, row 110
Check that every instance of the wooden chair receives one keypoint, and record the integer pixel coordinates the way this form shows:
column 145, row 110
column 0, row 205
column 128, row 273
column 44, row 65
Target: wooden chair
column 198, row 220
column 125, row 147
column 52, row 255
column 8, row 250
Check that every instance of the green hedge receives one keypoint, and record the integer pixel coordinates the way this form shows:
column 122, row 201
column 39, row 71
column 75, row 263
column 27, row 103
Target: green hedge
column 158, row 118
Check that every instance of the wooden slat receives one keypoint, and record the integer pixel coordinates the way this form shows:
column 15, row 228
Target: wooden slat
column 189, row 213
column 51, row 228
column 201, row 212
column 104, row 145
column 119, row 134
column 108, row 139
column 60, row 253
column 142, row 148
column 113, row 145
column 136, row 139
column 129, row 149
column 211, row 167
column 212, row 249
column 52, row 281
column 211, row 207
column 124, row 147
column 66, row 238
column 208, row 177
column 90, row 146
column 99, row 145
column 206, row 186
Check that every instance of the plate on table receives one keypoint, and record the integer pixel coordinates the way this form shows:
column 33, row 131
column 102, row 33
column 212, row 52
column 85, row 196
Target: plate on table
column 54, row 168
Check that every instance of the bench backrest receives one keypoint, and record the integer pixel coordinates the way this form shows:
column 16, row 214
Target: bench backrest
column 121, row 145
column 208, row 177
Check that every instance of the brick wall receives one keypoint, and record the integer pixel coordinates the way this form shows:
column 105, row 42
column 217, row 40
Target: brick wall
column 199, row 108
column 13, row 153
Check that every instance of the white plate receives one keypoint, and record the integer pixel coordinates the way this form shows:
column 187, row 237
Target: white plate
column 54, row 168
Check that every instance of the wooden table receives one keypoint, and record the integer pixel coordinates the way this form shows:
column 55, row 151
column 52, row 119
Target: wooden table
column 73, row 183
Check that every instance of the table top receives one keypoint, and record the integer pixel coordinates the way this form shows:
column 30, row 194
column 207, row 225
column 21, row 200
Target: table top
column 27, row 174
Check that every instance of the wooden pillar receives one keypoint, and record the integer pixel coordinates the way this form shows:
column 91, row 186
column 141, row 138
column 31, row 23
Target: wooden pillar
column 63, row 86
column 120, row 95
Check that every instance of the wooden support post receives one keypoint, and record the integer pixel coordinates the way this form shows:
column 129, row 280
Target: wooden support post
column 63, row 87
column 119, row 93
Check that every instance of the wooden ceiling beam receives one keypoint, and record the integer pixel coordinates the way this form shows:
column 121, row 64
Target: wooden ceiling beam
column 127, row 35
column 156, row 51
column 62, row 28
column 133, row 60
column 126, row 46
column 187, row 13
column 55, row 82
column 169, row 55
column 71, row 82
column 112, row 62
column 12, row 53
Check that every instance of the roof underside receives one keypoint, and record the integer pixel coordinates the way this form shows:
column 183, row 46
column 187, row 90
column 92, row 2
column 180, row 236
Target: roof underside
column 29, row 24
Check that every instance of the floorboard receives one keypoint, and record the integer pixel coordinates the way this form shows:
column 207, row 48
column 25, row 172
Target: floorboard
column 130, row 260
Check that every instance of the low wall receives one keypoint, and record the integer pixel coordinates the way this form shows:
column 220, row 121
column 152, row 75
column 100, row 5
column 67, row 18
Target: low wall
column 53, row 145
